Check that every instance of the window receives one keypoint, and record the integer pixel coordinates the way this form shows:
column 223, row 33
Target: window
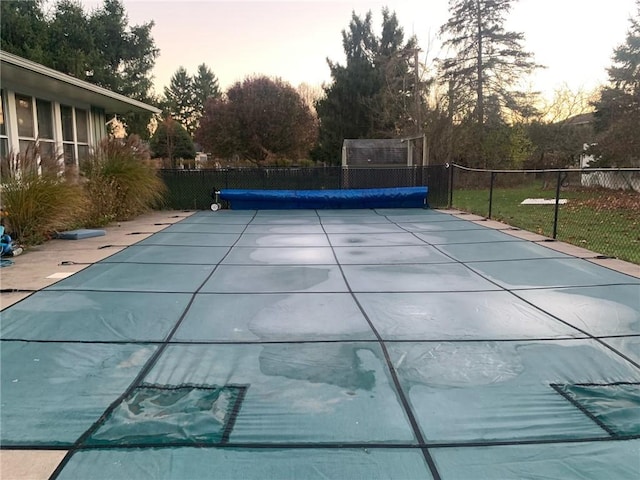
column 46, row 142
column 35, row 124
column 75, row 134
column 24, row 114
column 26, row 129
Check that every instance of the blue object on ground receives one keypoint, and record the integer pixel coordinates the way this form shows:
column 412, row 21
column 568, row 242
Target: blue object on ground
column 404, row 197
column 8, row 247
column 80, row 234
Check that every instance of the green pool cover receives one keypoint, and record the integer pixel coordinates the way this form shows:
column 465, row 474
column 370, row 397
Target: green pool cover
column 346, row 344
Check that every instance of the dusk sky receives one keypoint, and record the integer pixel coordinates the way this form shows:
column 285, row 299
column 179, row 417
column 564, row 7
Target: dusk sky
column 574, row 39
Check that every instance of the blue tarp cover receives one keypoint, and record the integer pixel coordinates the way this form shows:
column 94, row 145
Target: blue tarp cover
column 404, row 197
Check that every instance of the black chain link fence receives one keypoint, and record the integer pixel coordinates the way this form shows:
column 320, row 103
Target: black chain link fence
column 598, row 209
column 191, row 189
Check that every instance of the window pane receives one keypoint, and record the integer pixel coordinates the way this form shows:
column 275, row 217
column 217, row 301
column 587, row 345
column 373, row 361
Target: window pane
column 48, row 159
column 83, row 153
column 45, row 119
column 47, row 150
column 28, row 157
column 66, row 113
column 69, row 154
column 27, row 147
column 4, row 148
column 3, row 128
column 24, row 113
column 82, row 128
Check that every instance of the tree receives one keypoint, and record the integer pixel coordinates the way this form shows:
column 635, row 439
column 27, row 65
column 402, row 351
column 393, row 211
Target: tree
column 310, row 94
column 369, row 96
column 486, row 64
column 125, row 60
column 23, row 29
column 98, row 47
column 179, row 99
column 260, row 120
column 618, row 109
column 186, row 96
column 561, row 129
column 205, row 86
column 70, row 32
column 171, row 141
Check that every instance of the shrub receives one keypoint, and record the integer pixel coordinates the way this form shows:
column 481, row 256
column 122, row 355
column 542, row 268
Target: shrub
column 119, row 181
column 172, row 141
column 36, row 200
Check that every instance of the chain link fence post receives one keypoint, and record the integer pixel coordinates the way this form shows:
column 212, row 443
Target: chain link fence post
column 491, row 183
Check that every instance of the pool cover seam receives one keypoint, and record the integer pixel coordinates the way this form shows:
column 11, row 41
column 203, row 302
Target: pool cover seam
column 267, row 264
column 256, row 264
column 320, row 341
column 333, row 445
column 52, row 288
column 136, row 381
column 402, row 397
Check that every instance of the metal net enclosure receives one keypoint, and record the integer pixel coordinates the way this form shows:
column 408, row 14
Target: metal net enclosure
column 375, row 152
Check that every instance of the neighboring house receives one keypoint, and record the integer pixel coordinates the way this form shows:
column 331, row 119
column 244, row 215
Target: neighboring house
column 583, row 127
column 65, row 115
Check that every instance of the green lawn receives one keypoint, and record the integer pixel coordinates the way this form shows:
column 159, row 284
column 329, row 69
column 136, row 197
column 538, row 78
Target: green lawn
column 604, row 221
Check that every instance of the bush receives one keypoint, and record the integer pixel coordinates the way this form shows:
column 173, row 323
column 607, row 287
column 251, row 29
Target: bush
column 119, row 181
column 172, row 141
column 37, row 204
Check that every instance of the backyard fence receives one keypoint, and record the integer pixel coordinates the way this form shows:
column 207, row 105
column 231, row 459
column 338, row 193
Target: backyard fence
column 191, row 189
column 598, row 209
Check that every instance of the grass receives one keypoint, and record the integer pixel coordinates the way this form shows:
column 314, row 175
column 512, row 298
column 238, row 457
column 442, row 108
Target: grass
column 601, row 220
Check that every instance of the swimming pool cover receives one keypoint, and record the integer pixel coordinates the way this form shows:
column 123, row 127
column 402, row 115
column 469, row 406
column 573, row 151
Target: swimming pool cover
column 379, row 343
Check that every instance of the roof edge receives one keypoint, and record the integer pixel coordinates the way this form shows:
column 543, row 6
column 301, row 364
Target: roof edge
column 40, row 69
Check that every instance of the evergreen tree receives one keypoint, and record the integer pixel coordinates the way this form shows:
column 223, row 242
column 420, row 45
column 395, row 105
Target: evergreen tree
column 69, row 31
column 368, row 96
column 23, row 29
column 186, row 96
column 205, row 86
column 172, row 142
column 486, row 64
column 618, row 110
column 398, row 105
column 99, row 47
column 179, row 99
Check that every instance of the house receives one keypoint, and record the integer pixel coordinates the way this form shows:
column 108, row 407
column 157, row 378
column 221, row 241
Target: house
column 67, row 116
